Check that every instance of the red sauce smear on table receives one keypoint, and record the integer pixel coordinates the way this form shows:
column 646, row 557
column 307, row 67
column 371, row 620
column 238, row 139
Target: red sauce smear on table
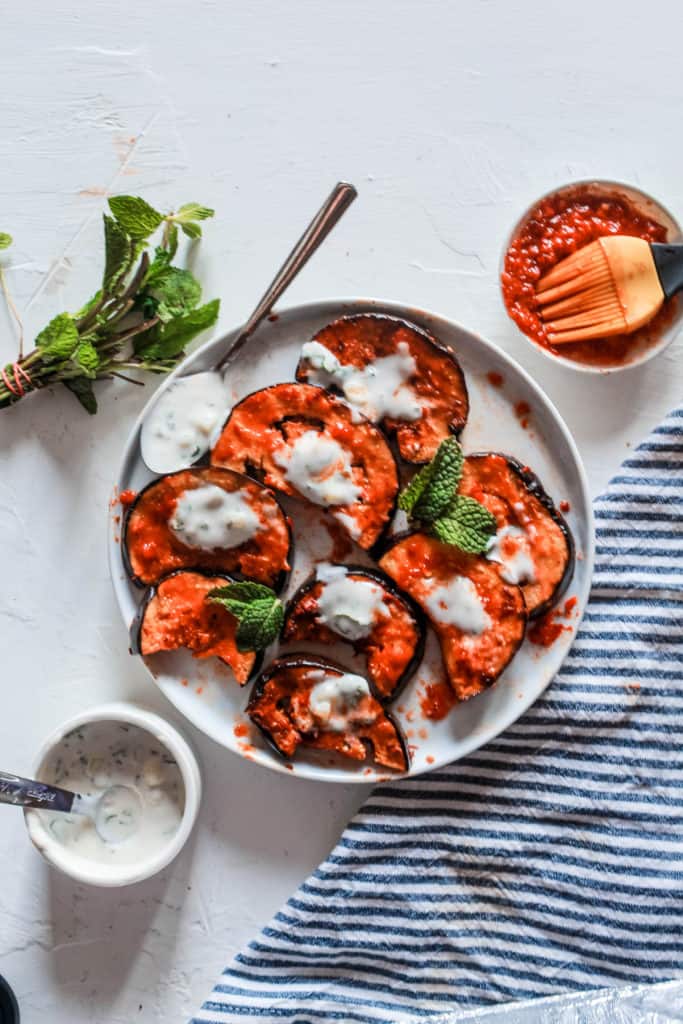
column 495, row 379
column 557, row 227
column 127, row 498
column 437, row 701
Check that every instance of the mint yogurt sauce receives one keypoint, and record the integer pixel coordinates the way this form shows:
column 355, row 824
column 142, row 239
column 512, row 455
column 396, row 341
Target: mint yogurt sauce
column 138, row 784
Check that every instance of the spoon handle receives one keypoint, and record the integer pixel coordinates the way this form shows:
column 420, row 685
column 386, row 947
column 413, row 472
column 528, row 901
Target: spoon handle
column 336, row 204
column 30, row 793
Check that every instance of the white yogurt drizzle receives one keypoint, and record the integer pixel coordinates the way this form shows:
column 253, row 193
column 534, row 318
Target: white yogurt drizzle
column 143, row 810
column 376, row 390
column 181, row 425
column 320, row 469
column 517, row 567
column 210, row 518
column 333, row 700
column 457, row 603
column 349, row 607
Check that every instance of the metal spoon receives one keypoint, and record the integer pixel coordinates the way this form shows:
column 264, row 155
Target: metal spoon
column 170, row 400
column 112, row 825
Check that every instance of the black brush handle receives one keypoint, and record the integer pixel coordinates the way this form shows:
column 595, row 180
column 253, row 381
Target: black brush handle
column 30, row 793
column 669, row 263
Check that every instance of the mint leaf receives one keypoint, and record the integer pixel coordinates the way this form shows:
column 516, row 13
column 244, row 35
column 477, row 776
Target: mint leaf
column 192, row 211
column 135, row 216
column 410, row 494
column 59, row 339
column 191, row 229
column 158, row 266
column 244, row 592
column 82, row 388
column 176, row 292
column 117, row 250
column 5, row 240
column 445, row 472
column 259, row 624
column 257, row 608
column 167, row 341
column 188, row 215
column 466, row 524
column 172, row 240
column 87, row 357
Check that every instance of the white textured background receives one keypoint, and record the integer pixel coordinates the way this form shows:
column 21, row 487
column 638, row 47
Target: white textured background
column 450, row 118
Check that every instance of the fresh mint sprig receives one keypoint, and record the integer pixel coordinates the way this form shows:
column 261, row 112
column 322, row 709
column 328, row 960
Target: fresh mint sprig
column 142, row 318
column 433, row 504
column 258, row 610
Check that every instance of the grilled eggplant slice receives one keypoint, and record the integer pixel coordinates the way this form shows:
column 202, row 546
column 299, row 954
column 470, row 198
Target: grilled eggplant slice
column 478, row 617
column 302, row 441
column 302, row 701
column 362, row 607
column 246, row 520
column 534, row 545
column 394, row 373
column 175, row 613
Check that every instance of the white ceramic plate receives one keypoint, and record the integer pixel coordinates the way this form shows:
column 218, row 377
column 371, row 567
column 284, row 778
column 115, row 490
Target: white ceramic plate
column 204, row 691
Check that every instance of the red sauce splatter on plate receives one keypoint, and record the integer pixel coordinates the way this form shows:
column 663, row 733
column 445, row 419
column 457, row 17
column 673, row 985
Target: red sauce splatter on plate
column 565, row 507
column 437, row 701
column 557, row 227
column 341, row 544
column 127, row 498
column 495, row 379
column 241, row 730
column 545, row 631
column 522, row 412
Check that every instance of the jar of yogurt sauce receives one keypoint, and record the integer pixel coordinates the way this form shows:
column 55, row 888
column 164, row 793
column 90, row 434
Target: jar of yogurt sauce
column 149, row 783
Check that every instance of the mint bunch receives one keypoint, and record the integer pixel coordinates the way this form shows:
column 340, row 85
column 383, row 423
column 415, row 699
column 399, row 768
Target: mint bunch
column 144, row 315
column 433, row 504
column 258, row 610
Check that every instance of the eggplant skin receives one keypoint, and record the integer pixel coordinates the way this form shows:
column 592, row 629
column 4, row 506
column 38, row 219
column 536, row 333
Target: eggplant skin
column 475, row 666
column 291, row 629
column 307, row 661
column 278, row 583
column 533, row 485
column 136, row 626
column 257, row 426
column 417, row 442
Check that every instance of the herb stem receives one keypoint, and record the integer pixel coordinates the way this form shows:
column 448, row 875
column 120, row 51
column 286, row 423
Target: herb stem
column 15, row 313
column 123, row 376
column 132, row 331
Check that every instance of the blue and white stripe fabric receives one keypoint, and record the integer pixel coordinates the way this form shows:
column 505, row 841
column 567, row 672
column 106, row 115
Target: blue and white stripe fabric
column 549, row 861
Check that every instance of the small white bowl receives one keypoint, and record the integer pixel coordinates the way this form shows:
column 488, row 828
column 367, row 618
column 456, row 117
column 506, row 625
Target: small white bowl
column 645, row 204
column 82, row 869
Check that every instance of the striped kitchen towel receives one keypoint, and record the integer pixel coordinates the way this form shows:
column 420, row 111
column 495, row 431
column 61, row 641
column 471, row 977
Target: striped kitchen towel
column 549, row 861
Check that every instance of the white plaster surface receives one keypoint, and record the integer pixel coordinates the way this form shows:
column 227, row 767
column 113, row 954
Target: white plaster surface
column 450, row 118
